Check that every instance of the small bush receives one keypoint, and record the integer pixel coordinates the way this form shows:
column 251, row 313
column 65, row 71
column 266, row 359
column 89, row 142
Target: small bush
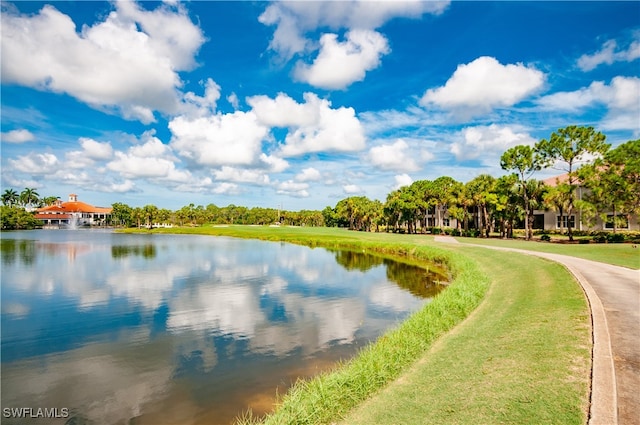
column 600, row 238
column 436, row 231
column 456, row 232
column 472, row 233
column 615, row 238
column 545, row 238
column 583, row 241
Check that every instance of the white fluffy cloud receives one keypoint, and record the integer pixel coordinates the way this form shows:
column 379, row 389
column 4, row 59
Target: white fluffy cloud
column 293, row 188
column 294, row 19
column 484, row 84
column 485, row 142
column 240, row 175
column 341, row 63
column 351, row 189
column 151, row 159
column 608, row 54
column 128, row 62
column 35, row 163
column 96, row 150
column 308, row 174
column 202, row 105
column 623, row 92
column 402, row 180
column 620, row 98
column 18, row 136
column 220, row 139
column 273, row 163
column 392, row 157
column 313, row 126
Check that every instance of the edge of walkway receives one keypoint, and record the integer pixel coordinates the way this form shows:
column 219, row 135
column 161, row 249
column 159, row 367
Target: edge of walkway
column 603, row 409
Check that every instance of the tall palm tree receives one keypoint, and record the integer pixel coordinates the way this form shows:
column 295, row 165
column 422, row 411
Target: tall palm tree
column 48, row 200
column 536, row 190
column 29, row 197
column 10, row 197
column 481, row 190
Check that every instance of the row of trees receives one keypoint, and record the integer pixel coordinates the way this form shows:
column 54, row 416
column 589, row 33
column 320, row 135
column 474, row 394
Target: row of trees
column 191, row 215
column 28, row 198
column 485, row 203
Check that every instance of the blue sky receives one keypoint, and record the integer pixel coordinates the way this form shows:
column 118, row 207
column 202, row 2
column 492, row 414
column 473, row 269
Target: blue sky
column 299, row 104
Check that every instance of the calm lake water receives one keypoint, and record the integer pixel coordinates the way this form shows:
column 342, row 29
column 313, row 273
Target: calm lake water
column 177, row 329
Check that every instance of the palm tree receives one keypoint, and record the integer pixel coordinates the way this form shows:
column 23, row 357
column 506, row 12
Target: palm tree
column 536, row 190
column 445, row 190
column 481, row 190
column 10, row 197
column 29, row 197
column 49, row 200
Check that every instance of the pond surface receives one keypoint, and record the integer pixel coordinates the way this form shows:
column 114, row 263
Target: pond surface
column 180, row 329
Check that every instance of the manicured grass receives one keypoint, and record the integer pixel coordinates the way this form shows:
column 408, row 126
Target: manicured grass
column 522, row 357
column 618, row 254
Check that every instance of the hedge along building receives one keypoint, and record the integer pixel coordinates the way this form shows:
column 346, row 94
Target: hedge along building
column 73, row 213
column 551, row 219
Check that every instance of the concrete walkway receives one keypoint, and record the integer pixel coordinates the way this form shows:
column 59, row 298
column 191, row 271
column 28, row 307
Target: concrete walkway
column 613, row 293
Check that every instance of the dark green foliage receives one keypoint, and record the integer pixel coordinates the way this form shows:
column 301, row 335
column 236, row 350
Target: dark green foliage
column 16, row 218
column 615, row 238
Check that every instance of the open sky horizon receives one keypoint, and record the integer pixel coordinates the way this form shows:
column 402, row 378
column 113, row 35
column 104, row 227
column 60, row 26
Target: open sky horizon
column 299, row 104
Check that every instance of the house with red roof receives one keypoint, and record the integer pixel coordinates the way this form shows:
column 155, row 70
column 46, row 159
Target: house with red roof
column 73, row 213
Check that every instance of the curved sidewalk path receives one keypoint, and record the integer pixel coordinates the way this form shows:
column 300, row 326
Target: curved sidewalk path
column 613, row 293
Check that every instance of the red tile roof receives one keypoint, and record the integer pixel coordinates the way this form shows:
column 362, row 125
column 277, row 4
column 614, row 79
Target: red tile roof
column 556, row 180
column 71, row 207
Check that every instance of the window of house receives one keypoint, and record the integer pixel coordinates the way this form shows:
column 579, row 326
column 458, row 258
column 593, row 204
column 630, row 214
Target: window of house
column 564, row 221
column 622, row 222
column 445, row 222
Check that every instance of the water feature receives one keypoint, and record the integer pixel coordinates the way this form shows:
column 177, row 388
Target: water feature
column 165, row 329
column 74, row 221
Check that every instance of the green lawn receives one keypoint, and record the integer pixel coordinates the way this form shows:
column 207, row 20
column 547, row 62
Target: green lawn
column 523, row 356
column 618, row 254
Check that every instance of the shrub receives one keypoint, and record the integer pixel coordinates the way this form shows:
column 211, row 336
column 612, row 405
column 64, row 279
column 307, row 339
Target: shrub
column 583, row 241
column 545, row 238
column 436, row 231
column 456, row 232
column 472, row 233
column 615, row 238
column 600, row 238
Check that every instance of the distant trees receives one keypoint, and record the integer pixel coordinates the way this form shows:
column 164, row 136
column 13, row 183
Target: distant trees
column 356, row 212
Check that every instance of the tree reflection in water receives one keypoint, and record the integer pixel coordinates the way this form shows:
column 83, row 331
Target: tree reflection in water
column 425, row 281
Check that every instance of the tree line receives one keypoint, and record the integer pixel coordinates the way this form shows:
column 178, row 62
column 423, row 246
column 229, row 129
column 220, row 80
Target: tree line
column 479, row 207
column 487, row 204
column 192, row 215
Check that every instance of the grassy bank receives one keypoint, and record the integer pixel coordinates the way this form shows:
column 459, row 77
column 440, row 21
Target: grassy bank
column 522, row 357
